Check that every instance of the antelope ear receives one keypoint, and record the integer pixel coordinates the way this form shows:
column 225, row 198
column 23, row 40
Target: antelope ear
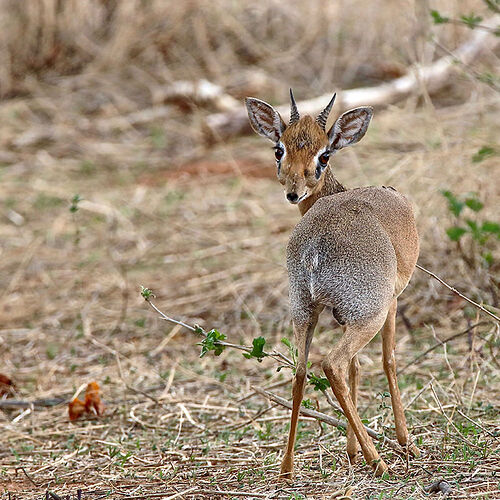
column 265, row 120
column 350, row 127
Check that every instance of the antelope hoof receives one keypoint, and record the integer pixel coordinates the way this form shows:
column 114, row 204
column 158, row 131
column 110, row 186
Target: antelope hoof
column 353, row 457
column 286, row 476
column 379, row 467
column 286, row 471
column 413, row 450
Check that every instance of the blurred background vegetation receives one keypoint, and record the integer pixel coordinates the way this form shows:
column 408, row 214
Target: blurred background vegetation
column 110, row 178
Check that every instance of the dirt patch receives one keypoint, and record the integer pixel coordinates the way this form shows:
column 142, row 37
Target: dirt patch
column 247, row 167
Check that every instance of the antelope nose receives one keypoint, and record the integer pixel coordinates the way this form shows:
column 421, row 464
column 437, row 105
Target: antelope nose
column 292, row 197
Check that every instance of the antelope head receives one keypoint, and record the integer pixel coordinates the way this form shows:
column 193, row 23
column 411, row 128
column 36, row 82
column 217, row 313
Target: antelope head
column 303, row 148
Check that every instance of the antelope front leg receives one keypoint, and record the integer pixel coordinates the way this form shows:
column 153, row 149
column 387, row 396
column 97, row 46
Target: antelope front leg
column 303, row 336
column 388, row 346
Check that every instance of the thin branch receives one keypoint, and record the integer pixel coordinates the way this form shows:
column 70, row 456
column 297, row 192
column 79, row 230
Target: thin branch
column 276, row 355
column 460, row 22
column 477, row 424
column 170, row 320
column 455, row 291
column 440, row 343
column 326, row 418
column 468, row 69
column 41, row 403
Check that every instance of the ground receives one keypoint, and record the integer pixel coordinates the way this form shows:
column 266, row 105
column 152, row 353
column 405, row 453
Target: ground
column 205, row 226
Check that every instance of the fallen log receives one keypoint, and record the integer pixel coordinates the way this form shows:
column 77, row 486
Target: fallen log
column 434, row 77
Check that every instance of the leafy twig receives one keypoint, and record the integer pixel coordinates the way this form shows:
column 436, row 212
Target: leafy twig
column 472, row 21
column 212, row 340
column 319, row 383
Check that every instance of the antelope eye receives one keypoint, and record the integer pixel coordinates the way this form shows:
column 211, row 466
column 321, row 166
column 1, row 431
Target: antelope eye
column 323, row 159
column 278, row 153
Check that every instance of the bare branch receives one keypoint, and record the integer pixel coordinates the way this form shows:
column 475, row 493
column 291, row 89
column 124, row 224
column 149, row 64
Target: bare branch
column 325, row 418
column 456, row 292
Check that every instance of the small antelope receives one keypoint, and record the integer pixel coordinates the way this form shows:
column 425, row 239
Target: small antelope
column 353, row 251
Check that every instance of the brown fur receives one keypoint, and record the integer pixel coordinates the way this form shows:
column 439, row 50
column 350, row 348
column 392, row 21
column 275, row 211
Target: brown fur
column 354, row 250
column 303, row 140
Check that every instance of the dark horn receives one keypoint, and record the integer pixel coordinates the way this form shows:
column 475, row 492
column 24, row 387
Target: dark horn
column 294, row 112
column 323, row 116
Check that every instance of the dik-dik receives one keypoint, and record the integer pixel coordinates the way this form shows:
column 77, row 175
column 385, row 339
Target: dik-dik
column 353, row 251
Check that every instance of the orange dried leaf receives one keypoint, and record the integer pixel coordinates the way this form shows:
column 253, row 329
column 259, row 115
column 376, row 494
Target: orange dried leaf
column 76, row 409
column 6, row 385
column 92, row 403
column 93, row 399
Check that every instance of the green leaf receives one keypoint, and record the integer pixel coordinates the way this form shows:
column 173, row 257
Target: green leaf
column 455, row 232
column 307, row 403
column 454, row 205
column 257, row 351
column 292, row 351
column 491, row 227
column 474, row 204
column 471, row 20
column 319, row 383
column 211, row 343
column 285, row 341
column 483, row 153
column 472, row 225
column 476, row 233
column 438, row 18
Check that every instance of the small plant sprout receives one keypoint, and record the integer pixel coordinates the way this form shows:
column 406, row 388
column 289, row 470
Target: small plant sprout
column 74, row 203
column 438, row 18
column 384, row 397
column 307, row 403
column 147, row 293
column 73, row 208
column 292, row 350
column 471, row 20
column 480, row 232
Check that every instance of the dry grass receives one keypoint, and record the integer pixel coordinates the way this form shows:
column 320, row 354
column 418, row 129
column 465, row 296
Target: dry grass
column 206, row 229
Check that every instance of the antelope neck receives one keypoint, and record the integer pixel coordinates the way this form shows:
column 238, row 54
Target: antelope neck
column 330, row 185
